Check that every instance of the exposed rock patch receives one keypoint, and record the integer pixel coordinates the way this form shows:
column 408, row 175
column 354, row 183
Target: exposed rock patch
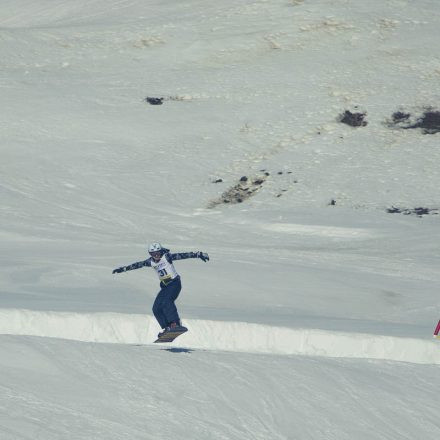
column 353, row 119
column 160, row 100
column 245, row 188
column 419, row 212
column 154, row 101
column 428, row 121
column 400, row 117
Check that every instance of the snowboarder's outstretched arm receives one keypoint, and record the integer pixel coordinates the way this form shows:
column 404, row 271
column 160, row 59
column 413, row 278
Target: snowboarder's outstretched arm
column 133, row 266
column 184, row 255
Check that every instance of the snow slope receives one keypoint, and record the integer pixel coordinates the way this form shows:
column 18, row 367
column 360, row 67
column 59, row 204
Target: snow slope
column 101, row 391
column 90, row 172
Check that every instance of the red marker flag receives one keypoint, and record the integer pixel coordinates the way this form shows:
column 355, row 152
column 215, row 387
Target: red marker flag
column 437, row 329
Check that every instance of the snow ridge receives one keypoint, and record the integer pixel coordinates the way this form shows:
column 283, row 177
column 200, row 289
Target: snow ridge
column 218, row 335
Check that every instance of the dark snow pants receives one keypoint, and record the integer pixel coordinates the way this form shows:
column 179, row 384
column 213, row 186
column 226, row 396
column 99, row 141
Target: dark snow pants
column 164, row 308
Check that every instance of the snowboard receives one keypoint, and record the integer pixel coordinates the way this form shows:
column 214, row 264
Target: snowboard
column 170, row 335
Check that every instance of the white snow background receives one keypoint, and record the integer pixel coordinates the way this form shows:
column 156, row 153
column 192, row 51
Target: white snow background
column 312, row 320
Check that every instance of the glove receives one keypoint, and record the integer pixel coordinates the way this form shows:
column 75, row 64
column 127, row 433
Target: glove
column 203, row 256
column 118, row 270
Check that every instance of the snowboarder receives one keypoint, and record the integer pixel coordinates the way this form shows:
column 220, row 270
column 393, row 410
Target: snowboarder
column 164, row 308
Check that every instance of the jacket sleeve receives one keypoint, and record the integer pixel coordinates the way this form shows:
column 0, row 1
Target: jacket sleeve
column 183, row 255
column 137, row 265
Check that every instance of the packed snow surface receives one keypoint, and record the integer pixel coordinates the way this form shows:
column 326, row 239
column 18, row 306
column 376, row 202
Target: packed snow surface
column 314, row 317
column 64, row 390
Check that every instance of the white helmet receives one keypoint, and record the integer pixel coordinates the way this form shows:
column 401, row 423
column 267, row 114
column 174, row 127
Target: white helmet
column 155, row 247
